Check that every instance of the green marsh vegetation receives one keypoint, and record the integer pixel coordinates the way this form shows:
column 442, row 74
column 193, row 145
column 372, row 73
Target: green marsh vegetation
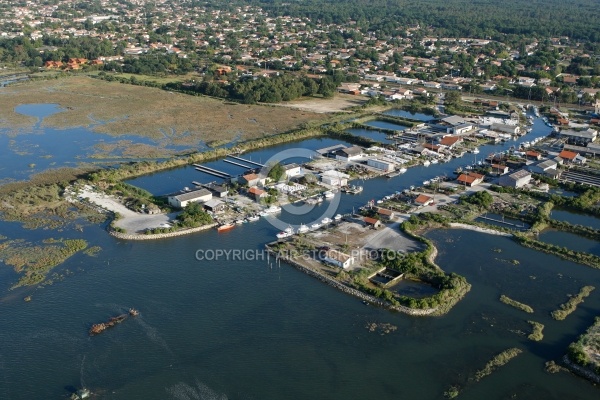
column 519, row 306
column 571, row 305
column 33, row 261
column 584, row 351
column 537, row 331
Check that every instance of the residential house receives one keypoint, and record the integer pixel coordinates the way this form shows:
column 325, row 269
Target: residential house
column 252, row 179
column 470, row 179
column 292, row 170
column 423, row 200
column 339, row 259
column 533, row 155
column 215, row 205
column 385, row 213
column 499, row 169
column 256, row 193
column 568, row 156
column 375, row 223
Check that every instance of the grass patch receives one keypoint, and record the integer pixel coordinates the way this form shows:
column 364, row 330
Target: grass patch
column 496, row 362
column 516, row 304
column 571, row 305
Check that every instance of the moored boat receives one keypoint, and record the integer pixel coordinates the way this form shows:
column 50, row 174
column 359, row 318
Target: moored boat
column 289, row 231
column 337, row 217
column 303, row 229
column 225, row 227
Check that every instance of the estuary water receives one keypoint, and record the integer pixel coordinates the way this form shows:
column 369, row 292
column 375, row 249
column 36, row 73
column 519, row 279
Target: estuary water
column 254, row 328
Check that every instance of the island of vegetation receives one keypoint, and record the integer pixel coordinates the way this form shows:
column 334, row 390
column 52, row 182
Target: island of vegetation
column 516, row 304
column 583, row 355
column 537, row 331
column 571, row 305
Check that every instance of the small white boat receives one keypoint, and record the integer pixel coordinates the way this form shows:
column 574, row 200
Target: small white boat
column 273, row 209
column 238, row 221
column 425, row 183
column 319, row 199
column 315, row 227
column 289, row 231
column 263, row 214
column 253, row 218
column 427, row 163
column 379, row 201
column 402, row 170
column 326, row 221
column 434, row 161
column 328, row 194
column 303, row 229
column 337, row 217
column 475, row 150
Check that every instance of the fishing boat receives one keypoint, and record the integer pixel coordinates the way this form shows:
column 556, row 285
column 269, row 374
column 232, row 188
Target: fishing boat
column 238, row 221
column 337, row 217
column 319, row 199
column 289, row 231
column 427, row 163
column 273, row 209
column 315, row 226
column 303, row 228
column 402, row 170
column 354, row 189
column 425, row 183
column 225, row 227
column 475, row 150
column 434, row 161
column 264, row 214
column 328, row 194
column 326, row 221
column 253, row 218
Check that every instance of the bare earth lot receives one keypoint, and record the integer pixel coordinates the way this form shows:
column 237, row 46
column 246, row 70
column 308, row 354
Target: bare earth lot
column 118, row 109
column 339, row 103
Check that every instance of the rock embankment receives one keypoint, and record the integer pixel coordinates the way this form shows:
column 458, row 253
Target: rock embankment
column 356, row 293
column 140, row 236
column 479, row 229
column 581, row 371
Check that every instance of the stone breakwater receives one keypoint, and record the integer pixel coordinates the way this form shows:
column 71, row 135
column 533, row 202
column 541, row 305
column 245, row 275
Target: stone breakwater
column 581, row 371
column 138, row 236
column 351, row 291
column 479, row 229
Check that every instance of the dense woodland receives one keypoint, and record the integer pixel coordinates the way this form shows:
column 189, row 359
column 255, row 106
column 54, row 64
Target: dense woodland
column 578, row 19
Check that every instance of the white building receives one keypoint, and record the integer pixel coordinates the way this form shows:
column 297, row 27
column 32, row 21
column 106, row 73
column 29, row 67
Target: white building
column 334, row 178
column 516, row 180
column 292, row 170
column 338, row 259
column 385, row 166
column 181, row 200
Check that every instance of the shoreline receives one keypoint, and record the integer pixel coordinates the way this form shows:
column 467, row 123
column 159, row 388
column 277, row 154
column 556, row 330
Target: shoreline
column 352, row 291
column 489, row 231
column 155, row 236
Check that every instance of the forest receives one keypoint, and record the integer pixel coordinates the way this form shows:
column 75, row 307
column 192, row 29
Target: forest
column 577, row 19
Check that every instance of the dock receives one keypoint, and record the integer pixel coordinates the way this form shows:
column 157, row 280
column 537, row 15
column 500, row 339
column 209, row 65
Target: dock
column 502, row 222
column 244, row 160
column 211, row 171
column 238, row 164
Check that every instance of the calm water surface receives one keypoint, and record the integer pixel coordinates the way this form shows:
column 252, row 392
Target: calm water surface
column 255, row 330
column 576, row 218
column 571, row 241
column 407, row 114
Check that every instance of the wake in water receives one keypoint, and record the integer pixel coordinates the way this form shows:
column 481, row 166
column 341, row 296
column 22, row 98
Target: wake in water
column 183, row 391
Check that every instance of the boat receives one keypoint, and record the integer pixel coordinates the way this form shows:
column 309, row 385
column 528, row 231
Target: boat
column 311, row 201
column 326, row 221
column 238, row 221
column 289, row 231
column 264, row 214
column 425, row 183
column 101, row 327
column 427, row 163
column 303, row 229
column 319, row 199
column 475, row 150
column 337, row 217
column 253, row 218
column 315, row 227
column 328, row 194
column 273, row 209
column 81, row 394
column 434, row 161
column 225, row 227
column 354, row 189
column 379, row 201
column 402, row 170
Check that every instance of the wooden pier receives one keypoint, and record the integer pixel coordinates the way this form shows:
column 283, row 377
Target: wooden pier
column 244, row 160
column 211, row 171
column 238, row 164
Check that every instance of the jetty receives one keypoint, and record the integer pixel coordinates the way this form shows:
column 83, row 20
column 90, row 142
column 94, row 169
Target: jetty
column 244, row 160
column 238, row 164
column 211, row 171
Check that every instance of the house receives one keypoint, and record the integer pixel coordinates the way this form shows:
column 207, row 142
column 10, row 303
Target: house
column 252, row 180
column 334, row 178
column 567, row 156
column 423, row 200
column 257, row 193
column 385, row 213
column 516, row 180
column 215, row 205
column 451, row 141
column 339, row 259
column 499, row 169
column 381, row 165
column 543, row 167
column 180, row 200
column 375, row 223
column 349, row 153
column 292, row 170
column 533, row 155
column 470, row 179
